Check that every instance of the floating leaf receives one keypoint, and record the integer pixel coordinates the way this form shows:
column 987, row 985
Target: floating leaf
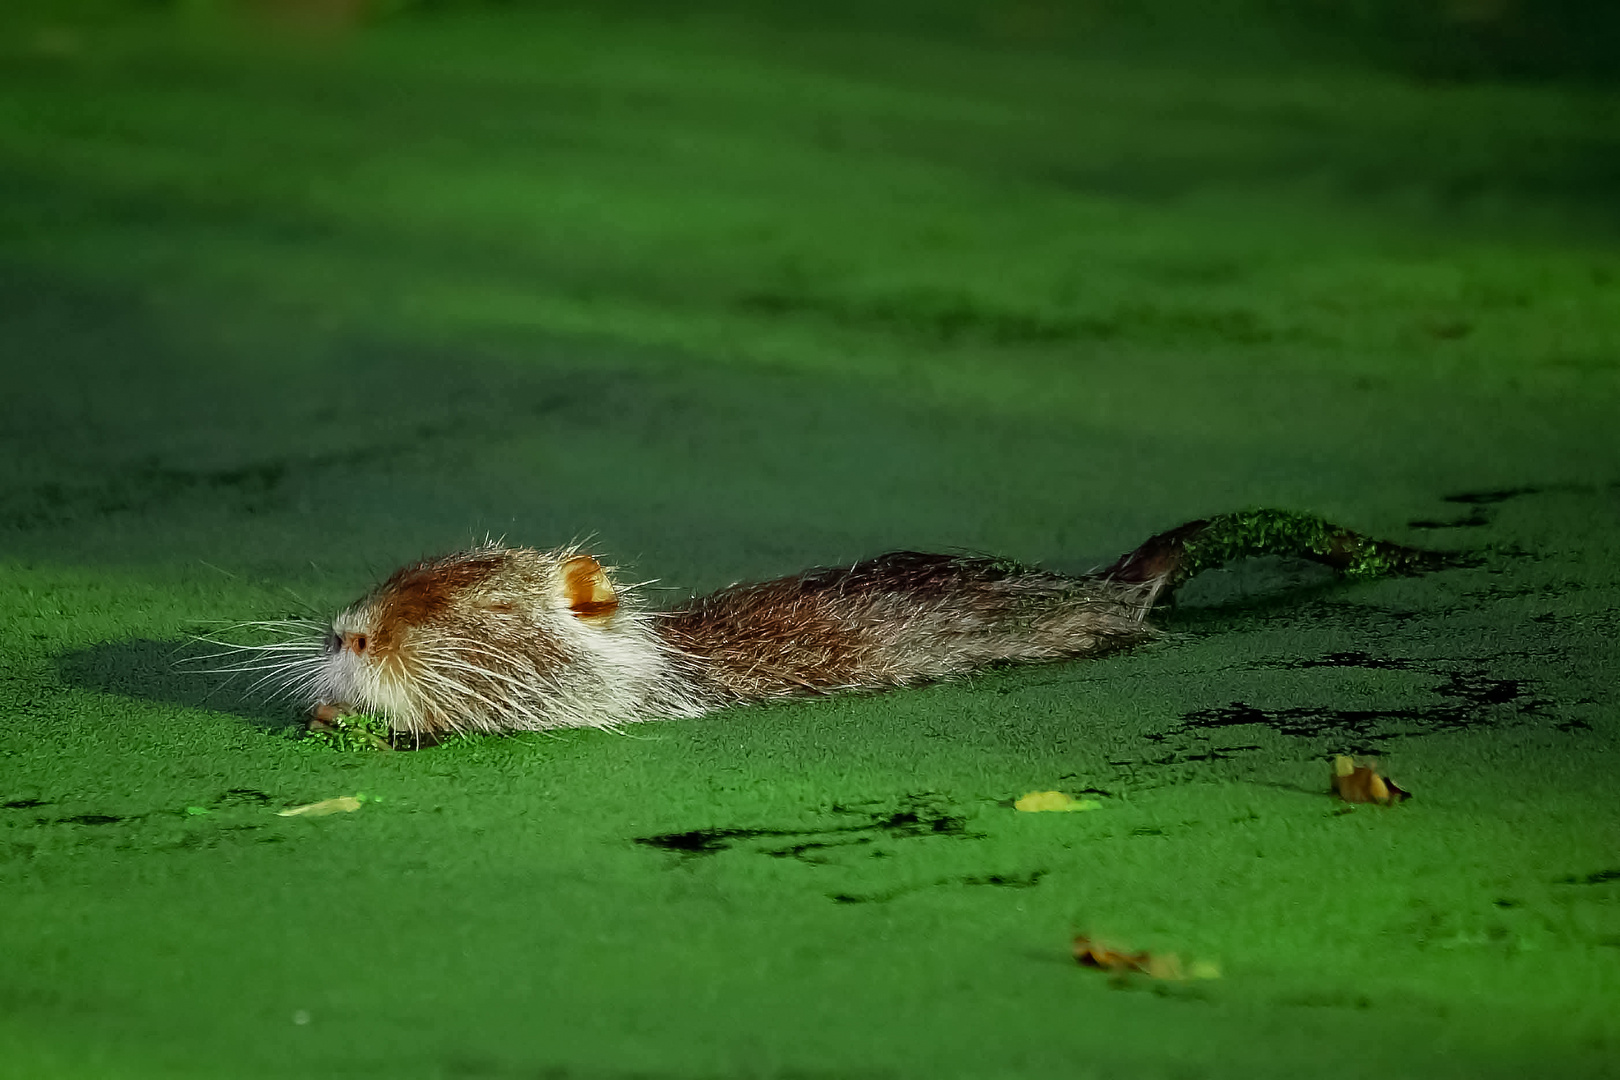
column 343, row 804
column 1361, row 783
column 1089, row 952
column 1037, row 801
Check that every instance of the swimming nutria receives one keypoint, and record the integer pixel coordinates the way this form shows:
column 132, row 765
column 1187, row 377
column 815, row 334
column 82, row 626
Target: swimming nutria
column 499, row 639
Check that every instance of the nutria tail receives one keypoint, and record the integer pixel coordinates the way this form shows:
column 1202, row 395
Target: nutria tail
column 909, row 617
column 1172, row 558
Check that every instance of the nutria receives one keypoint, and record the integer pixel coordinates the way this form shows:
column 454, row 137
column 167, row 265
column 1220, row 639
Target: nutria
column 498, row 638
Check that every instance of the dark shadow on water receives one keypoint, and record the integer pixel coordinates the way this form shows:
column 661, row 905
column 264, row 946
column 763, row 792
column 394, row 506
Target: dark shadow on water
column 172, row 673
column 1248, row 586
column 865, row 831
column 917, row 816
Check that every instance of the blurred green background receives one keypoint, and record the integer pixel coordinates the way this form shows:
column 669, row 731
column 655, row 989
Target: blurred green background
column 293, row 291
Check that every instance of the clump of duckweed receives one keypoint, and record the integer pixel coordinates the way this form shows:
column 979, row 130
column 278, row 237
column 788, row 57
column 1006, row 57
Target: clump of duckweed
column 350, row 733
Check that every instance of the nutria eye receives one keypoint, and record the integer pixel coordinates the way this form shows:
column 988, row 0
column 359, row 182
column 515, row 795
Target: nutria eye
column 359, row 643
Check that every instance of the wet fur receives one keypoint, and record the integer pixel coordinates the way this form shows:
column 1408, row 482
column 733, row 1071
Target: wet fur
column 898, row 619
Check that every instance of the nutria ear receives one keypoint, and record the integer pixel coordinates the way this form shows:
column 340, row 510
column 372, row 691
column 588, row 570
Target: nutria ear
column 586, row 589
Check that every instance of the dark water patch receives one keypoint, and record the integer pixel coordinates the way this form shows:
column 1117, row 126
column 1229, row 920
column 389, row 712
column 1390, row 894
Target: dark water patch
column 92, row 819
column 1448, row 329
column 1219, row 753
column 1008, row 881
column 188, row 813
column 236, row 818
column 1469, row 678
column 707, row 841
column 1463, row 699
column 1104, row 793
column 1337, row 725
column 1474, row 520
column 1478, row 503
column 924, row 822
column 997, row 881
column 1311, row 608
column 806, row 852
column 1326, row 999
column 938, row 315
column 1460, row 696
column 1492, row 498
column 1317, row 608
column 173, row 673
column 1250, row 585
column 1353, row 660
column 479, row 1066
column 253, row 487
column 1478, row 689
column 920, row 816
column 1186, row 756
column 249, row 488
column 1549, row 591
column 952, row 315
column 23, row 804
column 1601, row 877
column 246, row 431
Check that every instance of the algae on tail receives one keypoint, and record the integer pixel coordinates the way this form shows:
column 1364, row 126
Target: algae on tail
column 1170, row 559
column 1250, row 533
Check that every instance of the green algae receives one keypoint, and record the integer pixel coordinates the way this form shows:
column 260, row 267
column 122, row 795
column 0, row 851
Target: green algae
column 350, row 733
column 744, row 301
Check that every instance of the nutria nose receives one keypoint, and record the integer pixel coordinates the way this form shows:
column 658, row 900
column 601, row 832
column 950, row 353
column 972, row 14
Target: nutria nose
column 334, row 642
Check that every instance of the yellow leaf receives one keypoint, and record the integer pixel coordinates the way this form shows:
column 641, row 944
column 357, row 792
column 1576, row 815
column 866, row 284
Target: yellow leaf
column 1358, row 783
column 343, row 804
column 1053, row 800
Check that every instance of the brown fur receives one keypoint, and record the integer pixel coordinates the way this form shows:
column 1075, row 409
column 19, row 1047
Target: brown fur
column 901, row 618
column 419, row 593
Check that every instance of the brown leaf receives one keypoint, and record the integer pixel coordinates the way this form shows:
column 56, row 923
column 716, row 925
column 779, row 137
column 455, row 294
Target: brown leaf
column 1362, row 784
column 1089, row 952
column 1095, row 954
